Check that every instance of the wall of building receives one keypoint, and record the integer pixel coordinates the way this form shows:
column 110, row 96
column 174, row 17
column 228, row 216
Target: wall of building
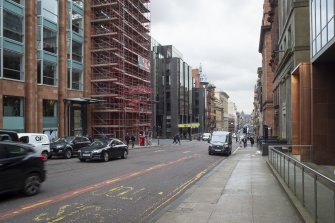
column 323, row 109
column 37, row 87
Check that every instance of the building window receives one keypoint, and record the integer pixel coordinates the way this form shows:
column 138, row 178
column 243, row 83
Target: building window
column 77, row 52
column 77, row 80
column 13, row 106
column 13, row 26
column 49, row 108
column 49, row 40
column 79, row 3
column 12, row 63
column 77, row 22
column 17, row 1
column 50, row 10
column 49, row 73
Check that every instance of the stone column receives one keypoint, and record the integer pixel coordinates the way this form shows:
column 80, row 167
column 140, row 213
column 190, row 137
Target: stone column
column 62, row 67
column 30, row 110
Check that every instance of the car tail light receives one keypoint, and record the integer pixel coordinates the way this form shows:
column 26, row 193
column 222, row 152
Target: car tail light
column 41, row 158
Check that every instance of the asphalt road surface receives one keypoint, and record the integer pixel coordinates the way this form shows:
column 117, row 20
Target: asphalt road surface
column 130, row 190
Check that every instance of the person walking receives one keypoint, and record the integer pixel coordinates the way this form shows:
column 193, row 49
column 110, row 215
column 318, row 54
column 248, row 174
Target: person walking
column 174, row 139
column 178, row 139
column 244, row 142
column 252, row 141
column 132, row 141
column 127, row 138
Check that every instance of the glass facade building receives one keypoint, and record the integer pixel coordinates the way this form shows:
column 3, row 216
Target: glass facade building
column 173, row 91
column 39, row 76
column 322, row 25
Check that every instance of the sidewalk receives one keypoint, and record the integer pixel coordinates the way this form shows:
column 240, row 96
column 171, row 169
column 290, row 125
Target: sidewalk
column 241, row 189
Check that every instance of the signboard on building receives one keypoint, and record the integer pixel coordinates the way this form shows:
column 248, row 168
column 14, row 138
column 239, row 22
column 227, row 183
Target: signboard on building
column 189, row 125
column 143, row 63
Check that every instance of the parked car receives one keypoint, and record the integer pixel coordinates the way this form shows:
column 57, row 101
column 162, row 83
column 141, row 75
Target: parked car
column 21, row 168
column 220, row 143
column 68, row 146
column 104, row 150
column 8, row 135
column 40, row 141
column 206, row 136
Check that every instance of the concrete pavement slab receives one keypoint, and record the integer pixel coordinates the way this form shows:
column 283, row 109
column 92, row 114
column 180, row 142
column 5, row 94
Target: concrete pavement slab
column 241, row 189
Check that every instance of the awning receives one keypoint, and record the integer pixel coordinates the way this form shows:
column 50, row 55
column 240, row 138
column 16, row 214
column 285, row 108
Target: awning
column 83, row 100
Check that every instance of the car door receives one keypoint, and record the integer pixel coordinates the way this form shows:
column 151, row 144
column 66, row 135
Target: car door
column 11, row 163
column 113, row 148
column 119, row 147
column 76, row 144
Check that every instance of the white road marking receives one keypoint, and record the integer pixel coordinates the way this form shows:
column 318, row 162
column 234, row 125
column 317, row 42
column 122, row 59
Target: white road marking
column 187, row 152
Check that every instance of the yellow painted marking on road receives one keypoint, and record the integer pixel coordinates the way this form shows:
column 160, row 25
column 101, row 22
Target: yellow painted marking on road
column 35, row 205
column 66, row 212
column 160, row 193
column 177, row 191
column 71, row 194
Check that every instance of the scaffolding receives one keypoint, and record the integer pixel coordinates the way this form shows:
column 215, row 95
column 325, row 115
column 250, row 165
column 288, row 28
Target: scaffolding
column 120, row 67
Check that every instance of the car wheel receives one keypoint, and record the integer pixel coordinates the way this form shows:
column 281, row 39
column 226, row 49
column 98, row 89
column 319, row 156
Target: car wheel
column 68, row 154
column 124, row 155
column 82, row 160
column 32, row 184
column 105, row 157
column 45, row 155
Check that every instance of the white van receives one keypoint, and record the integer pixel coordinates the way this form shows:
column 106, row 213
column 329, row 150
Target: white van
column 40, row 141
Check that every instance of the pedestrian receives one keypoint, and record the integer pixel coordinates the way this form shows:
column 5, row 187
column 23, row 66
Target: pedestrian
column 252, row 141
column 178, row 139
column 127, row 138
column 244, row 142
column 174, row 139
column 132, row 141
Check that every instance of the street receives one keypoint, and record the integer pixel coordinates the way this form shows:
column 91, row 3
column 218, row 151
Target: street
column 131, row 190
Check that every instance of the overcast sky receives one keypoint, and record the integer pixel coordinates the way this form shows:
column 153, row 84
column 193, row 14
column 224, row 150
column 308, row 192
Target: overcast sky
column 222, row 35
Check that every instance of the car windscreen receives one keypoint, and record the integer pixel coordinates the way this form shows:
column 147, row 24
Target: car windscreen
column 219, row 138
column 65, row 139
column 100, row 143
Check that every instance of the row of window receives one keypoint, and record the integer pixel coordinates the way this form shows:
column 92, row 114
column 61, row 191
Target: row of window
column 14, row 106
column 322, row 23
column 46, row 71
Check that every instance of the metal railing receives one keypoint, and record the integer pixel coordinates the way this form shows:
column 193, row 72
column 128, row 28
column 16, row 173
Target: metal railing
column 315, row 191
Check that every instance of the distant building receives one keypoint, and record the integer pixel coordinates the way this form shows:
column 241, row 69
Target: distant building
column 223, row 98
column 232, row 110
column 199, row 101
column 173, row 91
column 266, row 73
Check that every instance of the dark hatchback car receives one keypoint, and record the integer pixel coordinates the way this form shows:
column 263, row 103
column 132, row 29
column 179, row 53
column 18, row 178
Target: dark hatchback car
column 21, row 168
column 68, row 146
column 104, row 150
column 220, row 143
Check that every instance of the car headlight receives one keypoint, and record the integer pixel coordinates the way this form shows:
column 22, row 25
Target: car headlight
column 59, row 147
column 97, row 151
column 226, row 145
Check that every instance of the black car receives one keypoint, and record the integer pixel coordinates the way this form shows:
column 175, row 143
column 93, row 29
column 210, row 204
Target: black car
column 104, row 150
column 21, row 168
column 68, row 146
column 220, row 143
